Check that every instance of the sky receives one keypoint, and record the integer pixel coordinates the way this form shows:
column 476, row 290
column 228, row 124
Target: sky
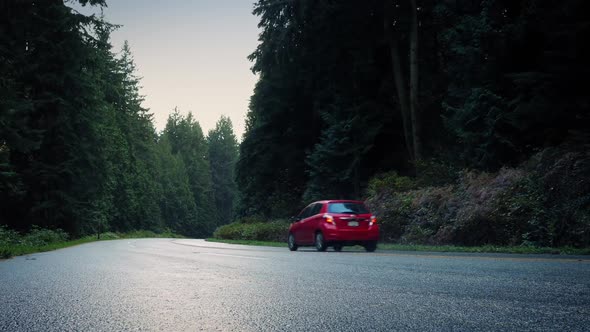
column 190, row 54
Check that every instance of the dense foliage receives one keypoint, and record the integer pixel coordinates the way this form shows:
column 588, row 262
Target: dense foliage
column 78, row 151
column 261, row 230
column 13, row 243
column 352, row 89
column 543, row 202
column 440, row 103
column 223, row 155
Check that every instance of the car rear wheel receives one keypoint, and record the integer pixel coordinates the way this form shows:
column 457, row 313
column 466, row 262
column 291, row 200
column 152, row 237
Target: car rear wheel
column 320, row 244
column 371, row 246
column 337, row 247
column 291, row 242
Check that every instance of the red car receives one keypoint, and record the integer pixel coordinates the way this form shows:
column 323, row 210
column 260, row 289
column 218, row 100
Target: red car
column 334, row 223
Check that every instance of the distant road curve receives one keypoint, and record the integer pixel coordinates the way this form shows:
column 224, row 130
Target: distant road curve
column 194, row 285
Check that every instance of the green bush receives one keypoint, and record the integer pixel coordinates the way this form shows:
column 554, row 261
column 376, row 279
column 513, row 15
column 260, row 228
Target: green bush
column 393, row 214
column 260, row 231
column 522, row 212
column 433, row 172
column 8, row 236
column 564, row 175
column 415, row 234
column 5, row 253
column 543, row 203
column 478, row 220
column 229, row 232
column 38, row 237
column 389, row 182
column 109, row 236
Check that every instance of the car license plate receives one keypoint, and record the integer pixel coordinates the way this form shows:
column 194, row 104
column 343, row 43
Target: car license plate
column 353, row 223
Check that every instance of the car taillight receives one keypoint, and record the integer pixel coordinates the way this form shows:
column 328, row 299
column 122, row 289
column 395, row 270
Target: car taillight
column 373, row 221
column 328, row 218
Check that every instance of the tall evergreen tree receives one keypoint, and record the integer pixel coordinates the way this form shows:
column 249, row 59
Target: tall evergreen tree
column 187, row 141
column 317, row 125
column 223, row 155
column 281, row 126
column 510, row 90
column 53, row 94
column 177, row 202
column 347, row 98
column 76, row 144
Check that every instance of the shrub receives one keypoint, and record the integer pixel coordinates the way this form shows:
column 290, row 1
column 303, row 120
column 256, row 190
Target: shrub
column 272, row 231
column 389, row 182
column 38, row 237
column 109, row 236
column 229, row 232
column 415, row 234
column 545, row 202
column 5, row 253
column 473, row 211
column 522, row 210
column 433, row 172
column 478, row 220
column 565, row 180
column 393, row 214
column 8, row 236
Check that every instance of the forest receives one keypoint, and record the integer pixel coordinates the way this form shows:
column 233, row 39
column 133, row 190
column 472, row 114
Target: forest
column 79, row 153
column 458, row 121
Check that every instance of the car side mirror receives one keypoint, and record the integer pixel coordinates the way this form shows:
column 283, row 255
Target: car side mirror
column 295, row 219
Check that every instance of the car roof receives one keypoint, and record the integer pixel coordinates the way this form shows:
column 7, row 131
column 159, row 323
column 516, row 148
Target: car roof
column 339, row 201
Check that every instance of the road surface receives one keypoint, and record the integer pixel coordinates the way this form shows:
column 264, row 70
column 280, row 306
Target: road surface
column 193, row 285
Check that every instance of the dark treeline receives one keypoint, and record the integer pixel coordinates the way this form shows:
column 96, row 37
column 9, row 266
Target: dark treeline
column 347, row 90
column 350, row 89
column 77, row 149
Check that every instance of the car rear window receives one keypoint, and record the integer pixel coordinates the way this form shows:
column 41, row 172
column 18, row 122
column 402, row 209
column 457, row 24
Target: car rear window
column 316, row 209
column 347, row 208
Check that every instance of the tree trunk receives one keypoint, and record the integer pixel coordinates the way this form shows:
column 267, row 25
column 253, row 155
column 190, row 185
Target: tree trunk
column 414, row 86
column 398, row 76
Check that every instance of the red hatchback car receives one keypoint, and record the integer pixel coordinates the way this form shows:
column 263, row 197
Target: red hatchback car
column 334, row 223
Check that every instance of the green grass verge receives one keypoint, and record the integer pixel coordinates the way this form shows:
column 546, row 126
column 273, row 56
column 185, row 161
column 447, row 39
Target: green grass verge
column 487, row 249
column 7, row 251
column 11, row 250
column 408, row 247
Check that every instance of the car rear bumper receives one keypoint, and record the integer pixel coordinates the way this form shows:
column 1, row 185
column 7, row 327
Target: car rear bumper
column 335, row 235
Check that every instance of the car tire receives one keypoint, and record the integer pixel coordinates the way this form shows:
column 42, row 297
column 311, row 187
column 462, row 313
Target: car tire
column 320, row 243
column 338, row 247
column 371, row 246
column 291, row 242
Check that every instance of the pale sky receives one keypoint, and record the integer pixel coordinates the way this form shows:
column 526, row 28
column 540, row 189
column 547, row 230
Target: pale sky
column 190, row 54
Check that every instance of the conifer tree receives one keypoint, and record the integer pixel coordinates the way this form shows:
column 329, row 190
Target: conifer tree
column 188, row 142
column 223, row 155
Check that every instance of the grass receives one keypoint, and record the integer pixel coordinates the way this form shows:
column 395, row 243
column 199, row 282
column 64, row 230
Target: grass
column 408, row 247
column 11, row 250
column 487, row 249
column 7, row 251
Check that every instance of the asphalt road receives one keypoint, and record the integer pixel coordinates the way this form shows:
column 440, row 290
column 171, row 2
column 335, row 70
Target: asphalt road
column 193, row 285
